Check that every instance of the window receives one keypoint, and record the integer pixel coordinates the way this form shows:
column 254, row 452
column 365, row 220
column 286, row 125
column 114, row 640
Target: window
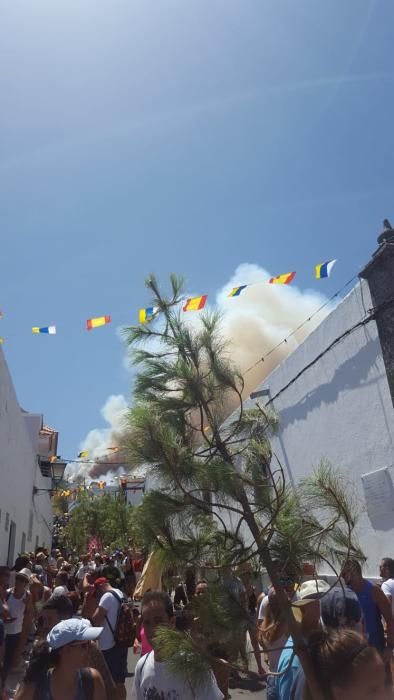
column 7, row 522
column 23, row 542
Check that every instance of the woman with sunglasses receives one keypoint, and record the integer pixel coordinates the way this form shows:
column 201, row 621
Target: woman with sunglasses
column 59, row 667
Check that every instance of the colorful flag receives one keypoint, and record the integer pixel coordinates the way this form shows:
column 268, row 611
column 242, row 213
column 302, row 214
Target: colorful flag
column 236, row 291
column 83, row 455
column 283, row 279
column 96, row 322
column 46, row 329
column 324, row 269
column 1, row 341
column 196, row 303
column 146, row 315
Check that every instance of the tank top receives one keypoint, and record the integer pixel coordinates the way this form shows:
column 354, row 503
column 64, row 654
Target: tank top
column 84, row 686
column 17, row 609
column 372, row 617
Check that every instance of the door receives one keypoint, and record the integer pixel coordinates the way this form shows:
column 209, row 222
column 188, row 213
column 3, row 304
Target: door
column 11, row 544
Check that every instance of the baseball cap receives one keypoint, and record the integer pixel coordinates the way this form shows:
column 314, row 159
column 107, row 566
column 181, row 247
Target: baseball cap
column 73, row 630
column 340, row 607
column 100, row 581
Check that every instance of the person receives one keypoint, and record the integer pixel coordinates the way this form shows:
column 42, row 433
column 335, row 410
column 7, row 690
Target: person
column 58, row 668
column 130, row 578
column 308, row 603
column 106, row 615
column 345, row 667
column 61, row 608
column 273, row 636
column 288, row 584
column 153, row 678
column 386, row 570
column 339, row 609
column 180, row 597
column 375, row 606
column 4, row 610
column 54, row 611
column 39, row 595
column 83, row 569
column 112, row 573
column 21, row 610
column 40, row 568
column 61, row 584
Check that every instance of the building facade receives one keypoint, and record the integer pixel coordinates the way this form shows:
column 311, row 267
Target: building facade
column 26, row 446
column 334, row 399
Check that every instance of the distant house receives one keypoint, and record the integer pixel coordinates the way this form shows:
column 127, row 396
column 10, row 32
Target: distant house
column 26, row 446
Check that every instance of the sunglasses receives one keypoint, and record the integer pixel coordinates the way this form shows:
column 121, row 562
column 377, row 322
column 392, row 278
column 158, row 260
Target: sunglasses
column 286, row 582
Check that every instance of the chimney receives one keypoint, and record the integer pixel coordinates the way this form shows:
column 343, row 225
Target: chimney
column 379, row 273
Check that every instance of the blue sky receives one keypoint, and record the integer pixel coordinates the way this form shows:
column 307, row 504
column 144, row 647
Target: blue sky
column 187, row 136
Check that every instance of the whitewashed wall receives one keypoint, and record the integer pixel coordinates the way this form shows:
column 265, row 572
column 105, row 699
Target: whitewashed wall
column 341, row 410
column 19, row 472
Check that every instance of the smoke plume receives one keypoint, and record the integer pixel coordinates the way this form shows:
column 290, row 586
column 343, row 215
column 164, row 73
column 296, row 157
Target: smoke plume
column 254, row 323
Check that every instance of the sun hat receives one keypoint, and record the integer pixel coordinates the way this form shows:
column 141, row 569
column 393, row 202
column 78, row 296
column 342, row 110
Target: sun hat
column 340, row 607
column 309, row 590
column 72, row 630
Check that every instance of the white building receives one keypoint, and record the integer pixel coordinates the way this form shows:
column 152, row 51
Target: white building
column 25, row 509
column 334, row 399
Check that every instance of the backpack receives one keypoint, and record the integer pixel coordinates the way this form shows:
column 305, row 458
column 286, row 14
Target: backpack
column 124, row 632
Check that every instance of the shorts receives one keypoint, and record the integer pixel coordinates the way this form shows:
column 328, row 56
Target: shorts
column 116, row 659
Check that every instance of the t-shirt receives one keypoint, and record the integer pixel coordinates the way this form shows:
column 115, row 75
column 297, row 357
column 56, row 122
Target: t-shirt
column 388, row 590
column 111, row 606
column 154, row 681
column 263, row 607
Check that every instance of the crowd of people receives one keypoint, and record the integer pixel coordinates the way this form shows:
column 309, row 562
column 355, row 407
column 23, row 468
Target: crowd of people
column 67, row 624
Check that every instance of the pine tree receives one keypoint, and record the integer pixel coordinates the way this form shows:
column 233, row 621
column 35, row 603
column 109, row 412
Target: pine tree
column 222, row 496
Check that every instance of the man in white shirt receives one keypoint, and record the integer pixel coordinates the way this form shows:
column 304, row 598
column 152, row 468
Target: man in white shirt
column 153, row 679
column 106, row 616
column 84, row 568
column 387, row 573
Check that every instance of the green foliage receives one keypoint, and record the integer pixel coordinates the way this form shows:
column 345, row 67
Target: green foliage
column 183, row 656
column 107, row 517
column 223, row 498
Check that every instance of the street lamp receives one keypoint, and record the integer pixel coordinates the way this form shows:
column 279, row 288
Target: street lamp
column 57, row 469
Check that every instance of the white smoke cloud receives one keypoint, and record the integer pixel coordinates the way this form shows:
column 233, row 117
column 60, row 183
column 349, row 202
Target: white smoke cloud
column 261, row 317
column 254, row 323
column 99, row 440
